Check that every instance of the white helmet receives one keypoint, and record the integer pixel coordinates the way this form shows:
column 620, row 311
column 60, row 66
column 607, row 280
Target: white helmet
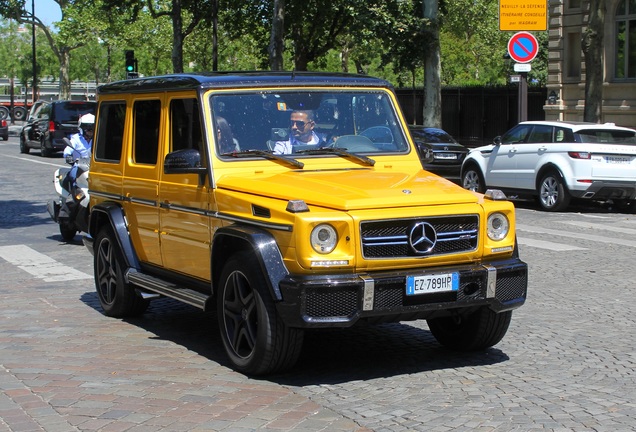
column 87, row 121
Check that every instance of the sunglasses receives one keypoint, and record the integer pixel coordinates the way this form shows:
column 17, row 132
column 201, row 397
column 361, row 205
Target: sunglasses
column 299, row 123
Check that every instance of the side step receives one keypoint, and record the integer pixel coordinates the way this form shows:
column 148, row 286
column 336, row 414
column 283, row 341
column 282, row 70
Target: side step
column 159, row 286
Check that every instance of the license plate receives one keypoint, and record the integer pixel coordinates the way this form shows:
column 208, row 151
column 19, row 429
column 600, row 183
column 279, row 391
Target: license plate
column 618, row 159
column 416, row 285
column 447, row 156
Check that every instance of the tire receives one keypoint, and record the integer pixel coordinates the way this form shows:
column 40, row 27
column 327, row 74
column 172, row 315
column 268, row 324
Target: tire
column 117, row 298
column 24, row 148
column 477, row 331
column 255, row 338
column 68, row 231
column 44, row 152
column 553, row 195
column 19, row 113
column 473, row 180
column 4, row 113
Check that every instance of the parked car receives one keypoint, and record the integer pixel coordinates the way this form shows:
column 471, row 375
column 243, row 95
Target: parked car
column 4, row 129
column 50, row 122
column 447, row 153
column 188, row 201
column 557, row 161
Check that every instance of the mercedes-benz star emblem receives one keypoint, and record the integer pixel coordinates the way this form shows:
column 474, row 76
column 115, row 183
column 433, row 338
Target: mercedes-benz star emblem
column 422, row 237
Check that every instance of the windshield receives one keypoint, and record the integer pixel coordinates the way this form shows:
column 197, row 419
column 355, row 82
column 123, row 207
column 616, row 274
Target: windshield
column 293, row 122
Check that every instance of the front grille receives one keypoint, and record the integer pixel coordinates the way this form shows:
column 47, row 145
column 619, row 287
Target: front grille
column 390, row 238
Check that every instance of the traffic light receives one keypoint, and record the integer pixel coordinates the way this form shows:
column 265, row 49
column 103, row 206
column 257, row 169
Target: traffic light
column 131, row 64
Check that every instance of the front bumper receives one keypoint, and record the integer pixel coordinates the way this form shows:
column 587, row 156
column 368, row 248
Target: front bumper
column 607, row 189
column 343, row 300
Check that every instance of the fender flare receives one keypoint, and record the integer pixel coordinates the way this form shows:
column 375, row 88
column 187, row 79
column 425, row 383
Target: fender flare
column 117, row 219
column 230, row 239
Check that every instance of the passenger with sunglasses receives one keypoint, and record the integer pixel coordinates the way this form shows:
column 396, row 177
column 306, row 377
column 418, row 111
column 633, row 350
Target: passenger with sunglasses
column 301, row 133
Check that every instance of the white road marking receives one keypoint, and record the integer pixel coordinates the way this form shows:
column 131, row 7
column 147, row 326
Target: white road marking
column 578, row 236
column 40, row 265
column 35, row 161
column 542, row 244
column 602, row 227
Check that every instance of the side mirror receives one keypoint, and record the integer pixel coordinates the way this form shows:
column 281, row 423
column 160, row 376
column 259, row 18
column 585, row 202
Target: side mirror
column 187, row 161
column 426, row 153
column 497, row 140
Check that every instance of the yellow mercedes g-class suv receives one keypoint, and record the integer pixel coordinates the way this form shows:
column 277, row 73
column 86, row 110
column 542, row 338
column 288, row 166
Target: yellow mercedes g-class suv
column 290, row 201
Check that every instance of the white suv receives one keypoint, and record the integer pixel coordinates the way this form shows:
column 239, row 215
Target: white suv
column 557, row 161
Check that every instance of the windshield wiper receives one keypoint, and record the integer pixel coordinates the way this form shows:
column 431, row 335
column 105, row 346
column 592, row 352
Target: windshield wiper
column 266, row 155
column 340, row 151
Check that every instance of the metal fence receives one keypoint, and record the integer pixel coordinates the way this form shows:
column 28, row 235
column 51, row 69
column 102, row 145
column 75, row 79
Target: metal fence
column 475, row 115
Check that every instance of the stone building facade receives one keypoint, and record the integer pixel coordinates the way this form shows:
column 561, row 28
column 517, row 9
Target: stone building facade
column 566, row 66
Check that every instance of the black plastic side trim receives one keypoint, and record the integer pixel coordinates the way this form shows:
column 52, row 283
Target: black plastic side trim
column 264, row 247
column 115, row 215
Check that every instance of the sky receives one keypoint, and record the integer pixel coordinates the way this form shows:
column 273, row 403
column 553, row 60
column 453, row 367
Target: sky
column 47, row 10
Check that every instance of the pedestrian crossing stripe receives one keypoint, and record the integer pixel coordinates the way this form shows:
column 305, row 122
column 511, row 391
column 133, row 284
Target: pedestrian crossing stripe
column 40, row 265
column 542, row 244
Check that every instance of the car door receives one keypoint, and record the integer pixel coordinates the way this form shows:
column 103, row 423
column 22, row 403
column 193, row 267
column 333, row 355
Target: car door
column 528, row 155
column 183, row 198
column 501, row 163
column 40, row 126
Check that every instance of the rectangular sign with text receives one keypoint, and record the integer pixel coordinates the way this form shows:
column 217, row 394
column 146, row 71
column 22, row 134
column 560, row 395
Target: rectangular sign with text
column 523, row 15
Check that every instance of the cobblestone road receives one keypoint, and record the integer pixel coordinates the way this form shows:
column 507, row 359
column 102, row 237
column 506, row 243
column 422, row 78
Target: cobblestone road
column 566, row 364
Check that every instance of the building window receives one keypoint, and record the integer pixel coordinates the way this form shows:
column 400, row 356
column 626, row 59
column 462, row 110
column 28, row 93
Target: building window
column 574, row 4
column 573, row 56
column 626, row 39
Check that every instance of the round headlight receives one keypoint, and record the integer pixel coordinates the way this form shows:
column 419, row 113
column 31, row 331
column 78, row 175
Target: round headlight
column 498, row 226
column 324, row 238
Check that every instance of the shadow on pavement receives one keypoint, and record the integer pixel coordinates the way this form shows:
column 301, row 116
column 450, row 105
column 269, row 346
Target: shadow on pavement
column 329, row 356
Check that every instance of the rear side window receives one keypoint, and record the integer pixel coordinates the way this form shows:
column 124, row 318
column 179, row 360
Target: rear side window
column 606, row 136
column 185, row 124
column 146, row 119
column 541, row 134
column 110, row 131
column 70, row 112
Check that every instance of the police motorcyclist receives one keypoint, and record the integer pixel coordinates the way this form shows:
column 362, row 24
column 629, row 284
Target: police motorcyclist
column 81, row 144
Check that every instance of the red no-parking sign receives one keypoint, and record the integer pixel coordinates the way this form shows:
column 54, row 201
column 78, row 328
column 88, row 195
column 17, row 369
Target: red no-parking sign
column 523, row 47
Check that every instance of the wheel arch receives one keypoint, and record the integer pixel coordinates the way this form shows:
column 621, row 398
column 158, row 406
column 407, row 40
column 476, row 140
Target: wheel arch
column 549, row 167
column 234, row 238
column 471, row 163
column 112, row 214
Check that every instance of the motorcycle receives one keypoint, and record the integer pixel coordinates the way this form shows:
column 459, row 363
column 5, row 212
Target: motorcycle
column 70, row 208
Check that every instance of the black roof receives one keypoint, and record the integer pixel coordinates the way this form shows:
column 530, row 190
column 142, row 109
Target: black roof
column 175, row 82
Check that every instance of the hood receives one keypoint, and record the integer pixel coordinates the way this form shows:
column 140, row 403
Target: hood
column 352, row 189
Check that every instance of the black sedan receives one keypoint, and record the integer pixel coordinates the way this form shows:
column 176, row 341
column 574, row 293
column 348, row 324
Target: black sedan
column 4, row 130
column 448, row 154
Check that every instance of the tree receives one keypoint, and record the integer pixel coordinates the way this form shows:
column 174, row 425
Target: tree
column 277, row 38
column 432, row 66
column 194, row 11
column 74, row 29
column 592, row 45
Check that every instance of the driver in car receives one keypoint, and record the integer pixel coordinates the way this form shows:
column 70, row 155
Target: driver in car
column 301, row 133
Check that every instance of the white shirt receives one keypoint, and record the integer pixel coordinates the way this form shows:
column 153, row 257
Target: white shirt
column 81, row 147
column 286, row 147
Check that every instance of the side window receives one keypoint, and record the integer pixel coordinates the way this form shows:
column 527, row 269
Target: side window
column 563, row 135
column 110, row 131
column 540, row 134
column 185, row 125
column 516, row 135
column 146, row 119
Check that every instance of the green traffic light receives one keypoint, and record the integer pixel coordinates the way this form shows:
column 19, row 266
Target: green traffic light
column 129, row 68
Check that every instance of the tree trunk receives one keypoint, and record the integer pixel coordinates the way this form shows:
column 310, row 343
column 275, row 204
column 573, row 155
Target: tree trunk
column 432, row 66
column 277, row 37
column 177, row 37
column 65, row 80
column 592, row 44
column 215, row 35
